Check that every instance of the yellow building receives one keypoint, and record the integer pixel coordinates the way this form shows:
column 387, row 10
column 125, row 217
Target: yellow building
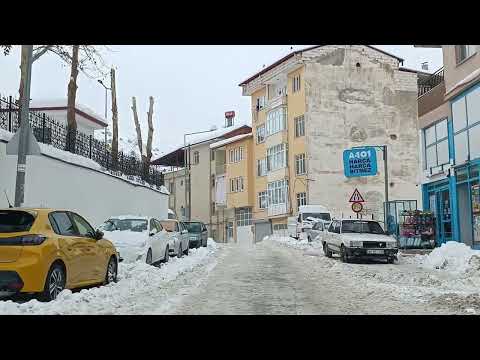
column 233, row 191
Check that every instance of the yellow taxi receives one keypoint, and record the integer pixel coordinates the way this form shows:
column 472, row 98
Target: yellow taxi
column 44, row 251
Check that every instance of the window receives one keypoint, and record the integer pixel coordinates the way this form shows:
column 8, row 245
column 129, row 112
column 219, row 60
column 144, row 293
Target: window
column 171, row 187
column 153, row 228
column 262, row 167
column 83, row 227
column 276, row 121
column 243, row 216
column 466, row 126
column 61, row 223
column 464, row 51
column 436, row 145
column 277, row 157
column 277, row 192
column 260, row 134
column 236, row 155
column 300, row 164
column 301, row 199
column 236, row 184
column 299, row 126
column 296, row 83
column 15, row 221
column 277, row 227
column 212, row 205
column 260, row 103
column 262, row 200
column 196, row 158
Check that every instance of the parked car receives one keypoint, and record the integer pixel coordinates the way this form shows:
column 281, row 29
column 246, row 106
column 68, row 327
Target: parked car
column 307, row 215
column 197, row 232
column 44, row 251
column 359, row 239
column 178, row 237
column 138, row 238
column 317, row 230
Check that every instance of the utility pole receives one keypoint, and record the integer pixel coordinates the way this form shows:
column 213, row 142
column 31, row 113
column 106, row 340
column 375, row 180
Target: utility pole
column 25, row 132
column 385, row 169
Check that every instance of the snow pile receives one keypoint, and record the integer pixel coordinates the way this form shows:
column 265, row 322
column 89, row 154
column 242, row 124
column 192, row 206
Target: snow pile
column 453, row 257
column 5, row 135
column 141, row 289
column 296, row 244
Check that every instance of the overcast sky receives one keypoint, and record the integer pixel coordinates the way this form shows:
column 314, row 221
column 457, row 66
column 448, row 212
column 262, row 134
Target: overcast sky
column 193, row 86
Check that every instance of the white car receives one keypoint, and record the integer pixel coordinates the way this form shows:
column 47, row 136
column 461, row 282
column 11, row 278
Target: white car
column 137, row 238
column 318, row 230
column 359, row 239
column 178, row 237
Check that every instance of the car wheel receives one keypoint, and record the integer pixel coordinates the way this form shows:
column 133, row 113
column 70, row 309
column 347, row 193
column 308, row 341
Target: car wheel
column 186, row 250
column 343, row 254
column 309, row 238
column 199, row 243
column 54, row 283
column 149, row 257
column 167, row 255
column 205, row 244
column 390, row 260
column 112, row 271
column 326, row 250
column 180, row 251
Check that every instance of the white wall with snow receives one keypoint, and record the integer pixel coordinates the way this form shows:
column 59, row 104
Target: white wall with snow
column 51, row 182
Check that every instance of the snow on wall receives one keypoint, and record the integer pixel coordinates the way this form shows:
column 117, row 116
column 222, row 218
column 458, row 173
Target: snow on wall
column 357, row 97
column 55, row 181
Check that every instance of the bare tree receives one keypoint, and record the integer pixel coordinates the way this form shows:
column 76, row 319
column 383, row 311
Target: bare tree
column 114, row 119
column 6, row 49
column 146, row 154
column 71, row 97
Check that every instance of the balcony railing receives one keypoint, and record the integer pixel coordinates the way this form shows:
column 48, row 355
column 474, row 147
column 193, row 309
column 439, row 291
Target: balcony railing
column 276, row 101
column 429, row 83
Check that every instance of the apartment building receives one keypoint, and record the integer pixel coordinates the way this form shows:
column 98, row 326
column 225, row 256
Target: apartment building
column 190, row 197
column 232, row 176
column 449, row 122
column 311, row 105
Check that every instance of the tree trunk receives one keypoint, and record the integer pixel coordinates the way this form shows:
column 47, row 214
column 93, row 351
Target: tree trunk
column 114, row 120
column 139, row 133
column 150, row 137
column 72, row 94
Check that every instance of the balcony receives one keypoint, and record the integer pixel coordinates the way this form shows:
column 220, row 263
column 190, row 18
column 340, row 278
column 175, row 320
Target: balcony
column 431, row 93
column 278, row 209
column 428, row 83
column 220, row 169
column 276, row 101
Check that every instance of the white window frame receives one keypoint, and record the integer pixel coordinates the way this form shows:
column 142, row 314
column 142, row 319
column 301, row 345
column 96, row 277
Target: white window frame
column 296, row 83
column 261, row 134
column 277, row 192
column 301, row 199
column 237, row 184
column 277, row 157
column 262, row 167
column 299, row 126
column 300, row 164
column 263, row 200
column 276, row 121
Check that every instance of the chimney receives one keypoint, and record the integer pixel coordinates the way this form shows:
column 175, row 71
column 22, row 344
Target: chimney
column 229, row 118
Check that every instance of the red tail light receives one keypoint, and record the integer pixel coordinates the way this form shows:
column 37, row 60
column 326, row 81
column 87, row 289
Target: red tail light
column 23, row 240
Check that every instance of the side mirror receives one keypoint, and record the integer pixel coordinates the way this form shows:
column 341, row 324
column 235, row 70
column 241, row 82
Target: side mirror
column 98, row 235
column 152, row 233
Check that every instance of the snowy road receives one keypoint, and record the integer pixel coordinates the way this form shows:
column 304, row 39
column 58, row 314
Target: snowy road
column 271, row 278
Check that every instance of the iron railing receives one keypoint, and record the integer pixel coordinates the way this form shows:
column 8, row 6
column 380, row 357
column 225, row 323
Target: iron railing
column 48, row 131
column 429, row 83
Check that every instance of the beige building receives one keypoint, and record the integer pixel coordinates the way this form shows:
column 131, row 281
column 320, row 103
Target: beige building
column 310, row 106
column 197, row 157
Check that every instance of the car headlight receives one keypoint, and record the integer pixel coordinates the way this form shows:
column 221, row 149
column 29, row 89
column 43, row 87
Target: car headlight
column 356, row 243
column 391, row 244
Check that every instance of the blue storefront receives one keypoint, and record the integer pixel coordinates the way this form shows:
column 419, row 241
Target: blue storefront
column 452, row 146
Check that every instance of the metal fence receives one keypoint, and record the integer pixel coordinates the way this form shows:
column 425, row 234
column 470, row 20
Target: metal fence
column 48, row 131
column 430, row 82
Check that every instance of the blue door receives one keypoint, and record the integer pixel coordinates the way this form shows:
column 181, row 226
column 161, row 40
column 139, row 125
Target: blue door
column 444, row 216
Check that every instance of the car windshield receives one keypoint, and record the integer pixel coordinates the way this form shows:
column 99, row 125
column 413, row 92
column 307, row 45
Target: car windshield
column 193, row 227
column 15, row 221
column 135, row 225
column 321, row 216
column 367, row 227
column 169, row 225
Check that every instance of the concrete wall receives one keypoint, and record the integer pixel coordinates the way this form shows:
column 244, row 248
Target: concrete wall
column 456, row 72
column 349, row 105
column 96, row 196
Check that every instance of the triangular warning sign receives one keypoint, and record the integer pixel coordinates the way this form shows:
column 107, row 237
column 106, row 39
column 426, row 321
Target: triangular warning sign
column 356, row 197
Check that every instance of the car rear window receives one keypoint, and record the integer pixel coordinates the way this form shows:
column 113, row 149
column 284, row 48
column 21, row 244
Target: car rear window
column 194, row 227
column 15, row 221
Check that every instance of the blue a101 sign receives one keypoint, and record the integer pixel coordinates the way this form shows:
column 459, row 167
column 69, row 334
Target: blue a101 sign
column 360, row 162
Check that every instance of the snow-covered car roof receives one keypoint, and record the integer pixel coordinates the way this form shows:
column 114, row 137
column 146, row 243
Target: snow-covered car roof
column 131, row 217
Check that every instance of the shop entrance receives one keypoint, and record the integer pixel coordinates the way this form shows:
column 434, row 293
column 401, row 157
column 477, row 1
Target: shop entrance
column 468, row 189
column 440, row 205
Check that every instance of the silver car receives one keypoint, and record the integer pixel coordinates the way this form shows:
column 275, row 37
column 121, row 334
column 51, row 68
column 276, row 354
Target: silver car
column 178, row 237
column 318, row 229
column 197, row 233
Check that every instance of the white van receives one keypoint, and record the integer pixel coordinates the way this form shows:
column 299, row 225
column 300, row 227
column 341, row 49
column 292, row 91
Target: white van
column 307, row 216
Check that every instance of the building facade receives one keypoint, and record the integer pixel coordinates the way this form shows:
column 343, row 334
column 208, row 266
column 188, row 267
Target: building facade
column 449, row 121
column 176, row 184
column 313, row 104
column 232, row 190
